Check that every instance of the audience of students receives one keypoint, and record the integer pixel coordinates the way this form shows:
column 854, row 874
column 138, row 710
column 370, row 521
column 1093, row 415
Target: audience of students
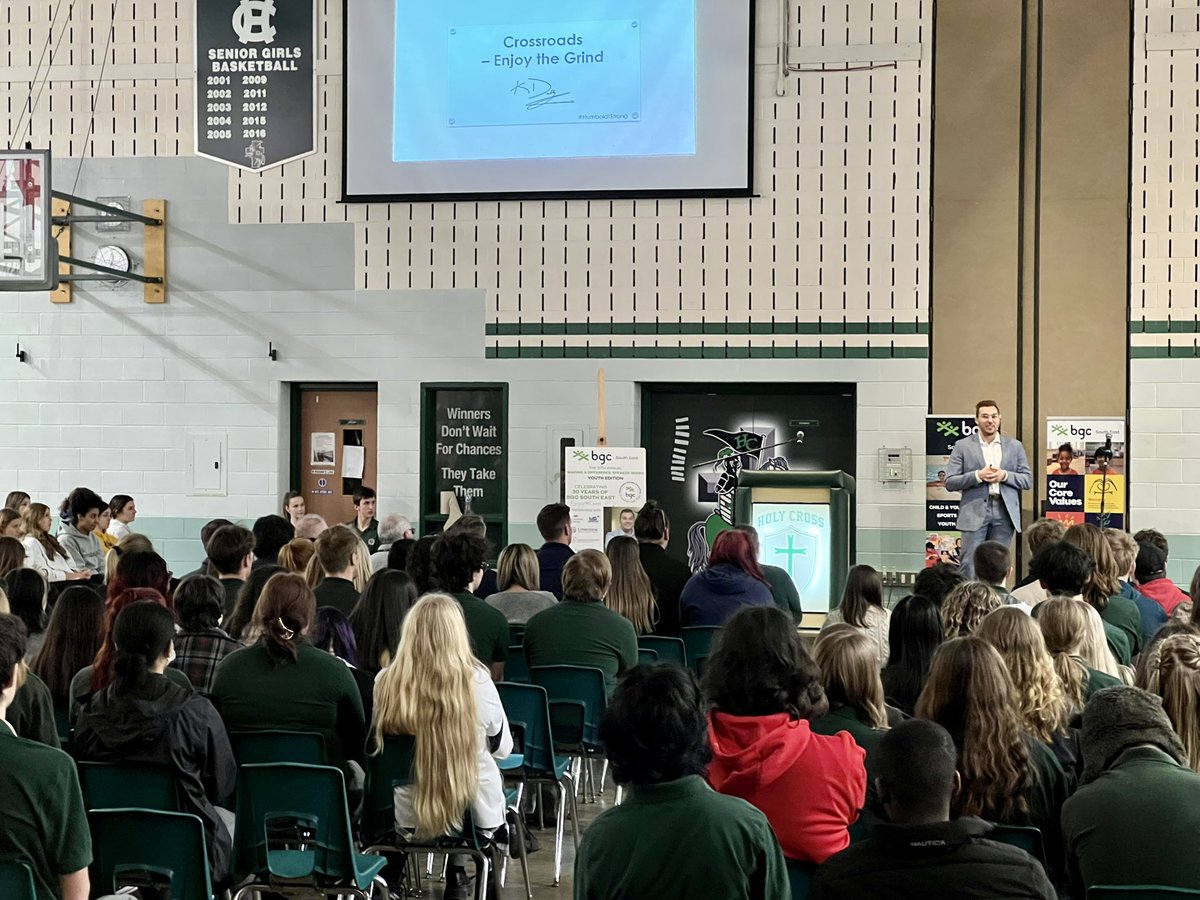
column 438, row 692
column 1038, row 536
column 142, row 717
column 764, row 690
column 283, row 682
column 862, row 608
column 966, row 606
column 458, row 558
column 554, row 525
column 925, row 849
column 518, row 579
column 1008, row 775
column 674, row 837
column 914, row 634
column 44, row 824
column 732, row 580
column 201, row 644
column 378, row 617
column 631, row 594
column 668, row 576
column 805, row 739
column 580, row 630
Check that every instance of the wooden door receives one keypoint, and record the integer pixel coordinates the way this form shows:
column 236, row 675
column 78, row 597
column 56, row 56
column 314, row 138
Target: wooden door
column 335, row 446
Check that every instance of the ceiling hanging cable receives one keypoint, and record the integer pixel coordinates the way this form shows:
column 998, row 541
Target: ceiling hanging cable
column 49, row 69
column 36, row 71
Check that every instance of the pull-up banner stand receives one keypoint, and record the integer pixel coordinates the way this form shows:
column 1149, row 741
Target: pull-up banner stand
column 255, row 81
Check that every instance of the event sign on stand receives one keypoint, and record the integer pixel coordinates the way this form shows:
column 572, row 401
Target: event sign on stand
column 1085, row 470
column 601, row 483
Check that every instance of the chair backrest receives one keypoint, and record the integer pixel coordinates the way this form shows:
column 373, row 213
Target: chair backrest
column 697, row 642
column 1025, row 837
column 527, row 708
column 276, row 746
column 575, row 684
column 386, row 770
column 516, row 634
column 128, row 786
column 1139, row 892
column 312, row 796
column 16, row 881
column 646, row 656
column 169, row 845
column 800, row 877
column 516, row 669
column 669, row 649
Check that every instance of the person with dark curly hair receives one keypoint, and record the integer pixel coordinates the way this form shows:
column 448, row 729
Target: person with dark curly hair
column 458, row 559
column 765, row 689
column 674, row 837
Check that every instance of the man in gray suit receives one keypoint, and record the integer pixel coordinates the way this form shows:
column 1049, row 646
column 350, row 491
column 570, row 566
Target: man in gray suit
column 990, row 471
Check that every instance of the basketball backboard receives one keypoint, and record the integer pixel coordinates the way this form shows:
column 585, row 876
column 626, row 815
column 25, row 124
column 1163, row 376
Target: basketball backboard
column 28, row 262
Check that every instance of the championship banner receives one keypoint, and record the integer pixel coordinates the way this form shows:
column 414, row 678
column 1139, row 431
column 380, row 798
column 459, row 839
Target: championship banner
column 605, row 487
column 943, row 543
column 255, row 81
column 1085, row 471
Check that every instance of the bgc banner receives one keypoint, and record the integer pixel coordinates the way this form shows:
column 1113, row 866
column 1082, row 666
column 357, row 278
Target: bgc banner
column 943, row 543
column 1085, row 471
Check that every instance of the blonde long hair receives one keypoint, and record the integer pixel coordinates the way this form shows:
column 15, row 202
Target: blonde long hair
column 1043, row 702
column 970, row 694
column 1175, row 676
column 1106, row 576
column 1095, row 650
column 965, row 607
column 850, row 671
column 631, row 594
column 33, row 515
column 427, row 692
column 1064, row 624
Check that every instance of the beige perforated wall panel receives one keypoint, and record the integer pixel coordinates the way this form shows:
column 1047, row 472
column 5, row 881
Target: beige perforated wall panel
column 829, row 260
column 1165, row 214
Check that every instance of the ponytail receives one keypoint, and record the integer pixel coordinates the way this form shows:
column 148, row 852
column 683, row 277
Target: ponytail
column 1073, row 675
column 651, row 523
column 142, row 635
column 131, row 669
column 284, row 612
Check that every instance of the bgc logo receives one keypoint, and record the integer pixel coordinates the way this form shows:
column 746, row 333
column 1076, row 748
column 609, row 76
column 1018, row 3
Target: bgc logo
column 594, row 456
column 963, row 428
column 1079, row 431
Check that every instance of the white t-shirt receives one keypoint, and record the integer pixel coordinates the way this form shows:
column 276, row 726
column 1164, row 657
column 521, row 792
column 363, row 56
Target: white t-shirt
column 489, row 802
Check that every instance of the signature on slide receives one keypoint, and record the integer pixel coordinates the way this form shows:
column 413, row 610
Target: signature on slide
column 545, row 94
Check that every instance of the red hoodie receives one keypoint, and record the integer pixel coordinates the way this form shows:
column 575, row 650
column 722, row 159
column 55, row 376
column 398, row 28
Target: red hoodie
column 810, row 786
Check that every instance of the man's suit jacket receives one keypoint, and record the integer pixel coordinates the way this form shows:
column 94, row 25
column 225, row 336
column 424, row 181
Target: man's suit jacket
column 966, row 459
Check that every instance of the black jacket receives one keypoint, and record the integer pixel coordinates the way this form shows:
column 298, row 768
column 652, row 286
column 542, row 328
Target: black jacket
column 551, row 559
column 338, row 593
column 946, row 859
column 162, row 723
column 668, row 576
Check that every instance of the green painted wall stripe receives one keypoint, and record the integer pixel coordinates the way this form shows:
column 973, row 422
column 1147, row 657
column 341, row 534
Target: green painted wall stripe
column 708, row 351
column 1176, row 352
column 1174, row 326
column 513, row 329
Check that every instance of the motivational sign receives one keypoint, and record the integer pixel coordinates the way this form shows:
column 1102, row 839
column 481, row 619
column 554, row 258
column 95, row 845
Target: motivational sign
column 943, row 542
column 1085, row 471
column 255, row 81
column 470, row 453
column 602, row 483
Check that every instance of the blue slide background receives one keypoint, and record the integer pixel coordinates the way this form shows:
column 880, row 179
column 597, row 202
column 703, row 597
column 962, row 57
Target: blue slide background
column 461, row 95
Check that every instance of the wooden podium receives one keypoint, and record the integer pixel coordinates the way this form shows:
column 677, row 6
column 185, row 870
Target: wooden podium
column 805, row 523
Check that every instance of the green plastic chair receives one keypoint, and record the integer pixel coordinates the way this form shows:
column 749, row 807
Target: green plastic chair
column 278, row 746
column 669, row 649
column 647, row 656
column 697, row 642
column 577, row 702
column 800, row 877
column 528, row 710
column 16, row 881
column 128, row 786
column 516, row 635
column 1026, row 837
column 130, row 844
column 1139, row 892
column 392, row 768
column 293, row 832
column 516, row 668
column 62, row 724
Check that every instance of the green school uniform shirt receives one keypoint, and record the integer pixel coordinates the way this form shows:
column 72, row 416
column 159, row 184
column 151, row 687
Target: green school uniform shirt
column 315, row 692
column 487, row 627
column 1122, row 613
column 43, row 822
column 571, row 633
column 783, row 589
column 680, row 840
column 1135, row 824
